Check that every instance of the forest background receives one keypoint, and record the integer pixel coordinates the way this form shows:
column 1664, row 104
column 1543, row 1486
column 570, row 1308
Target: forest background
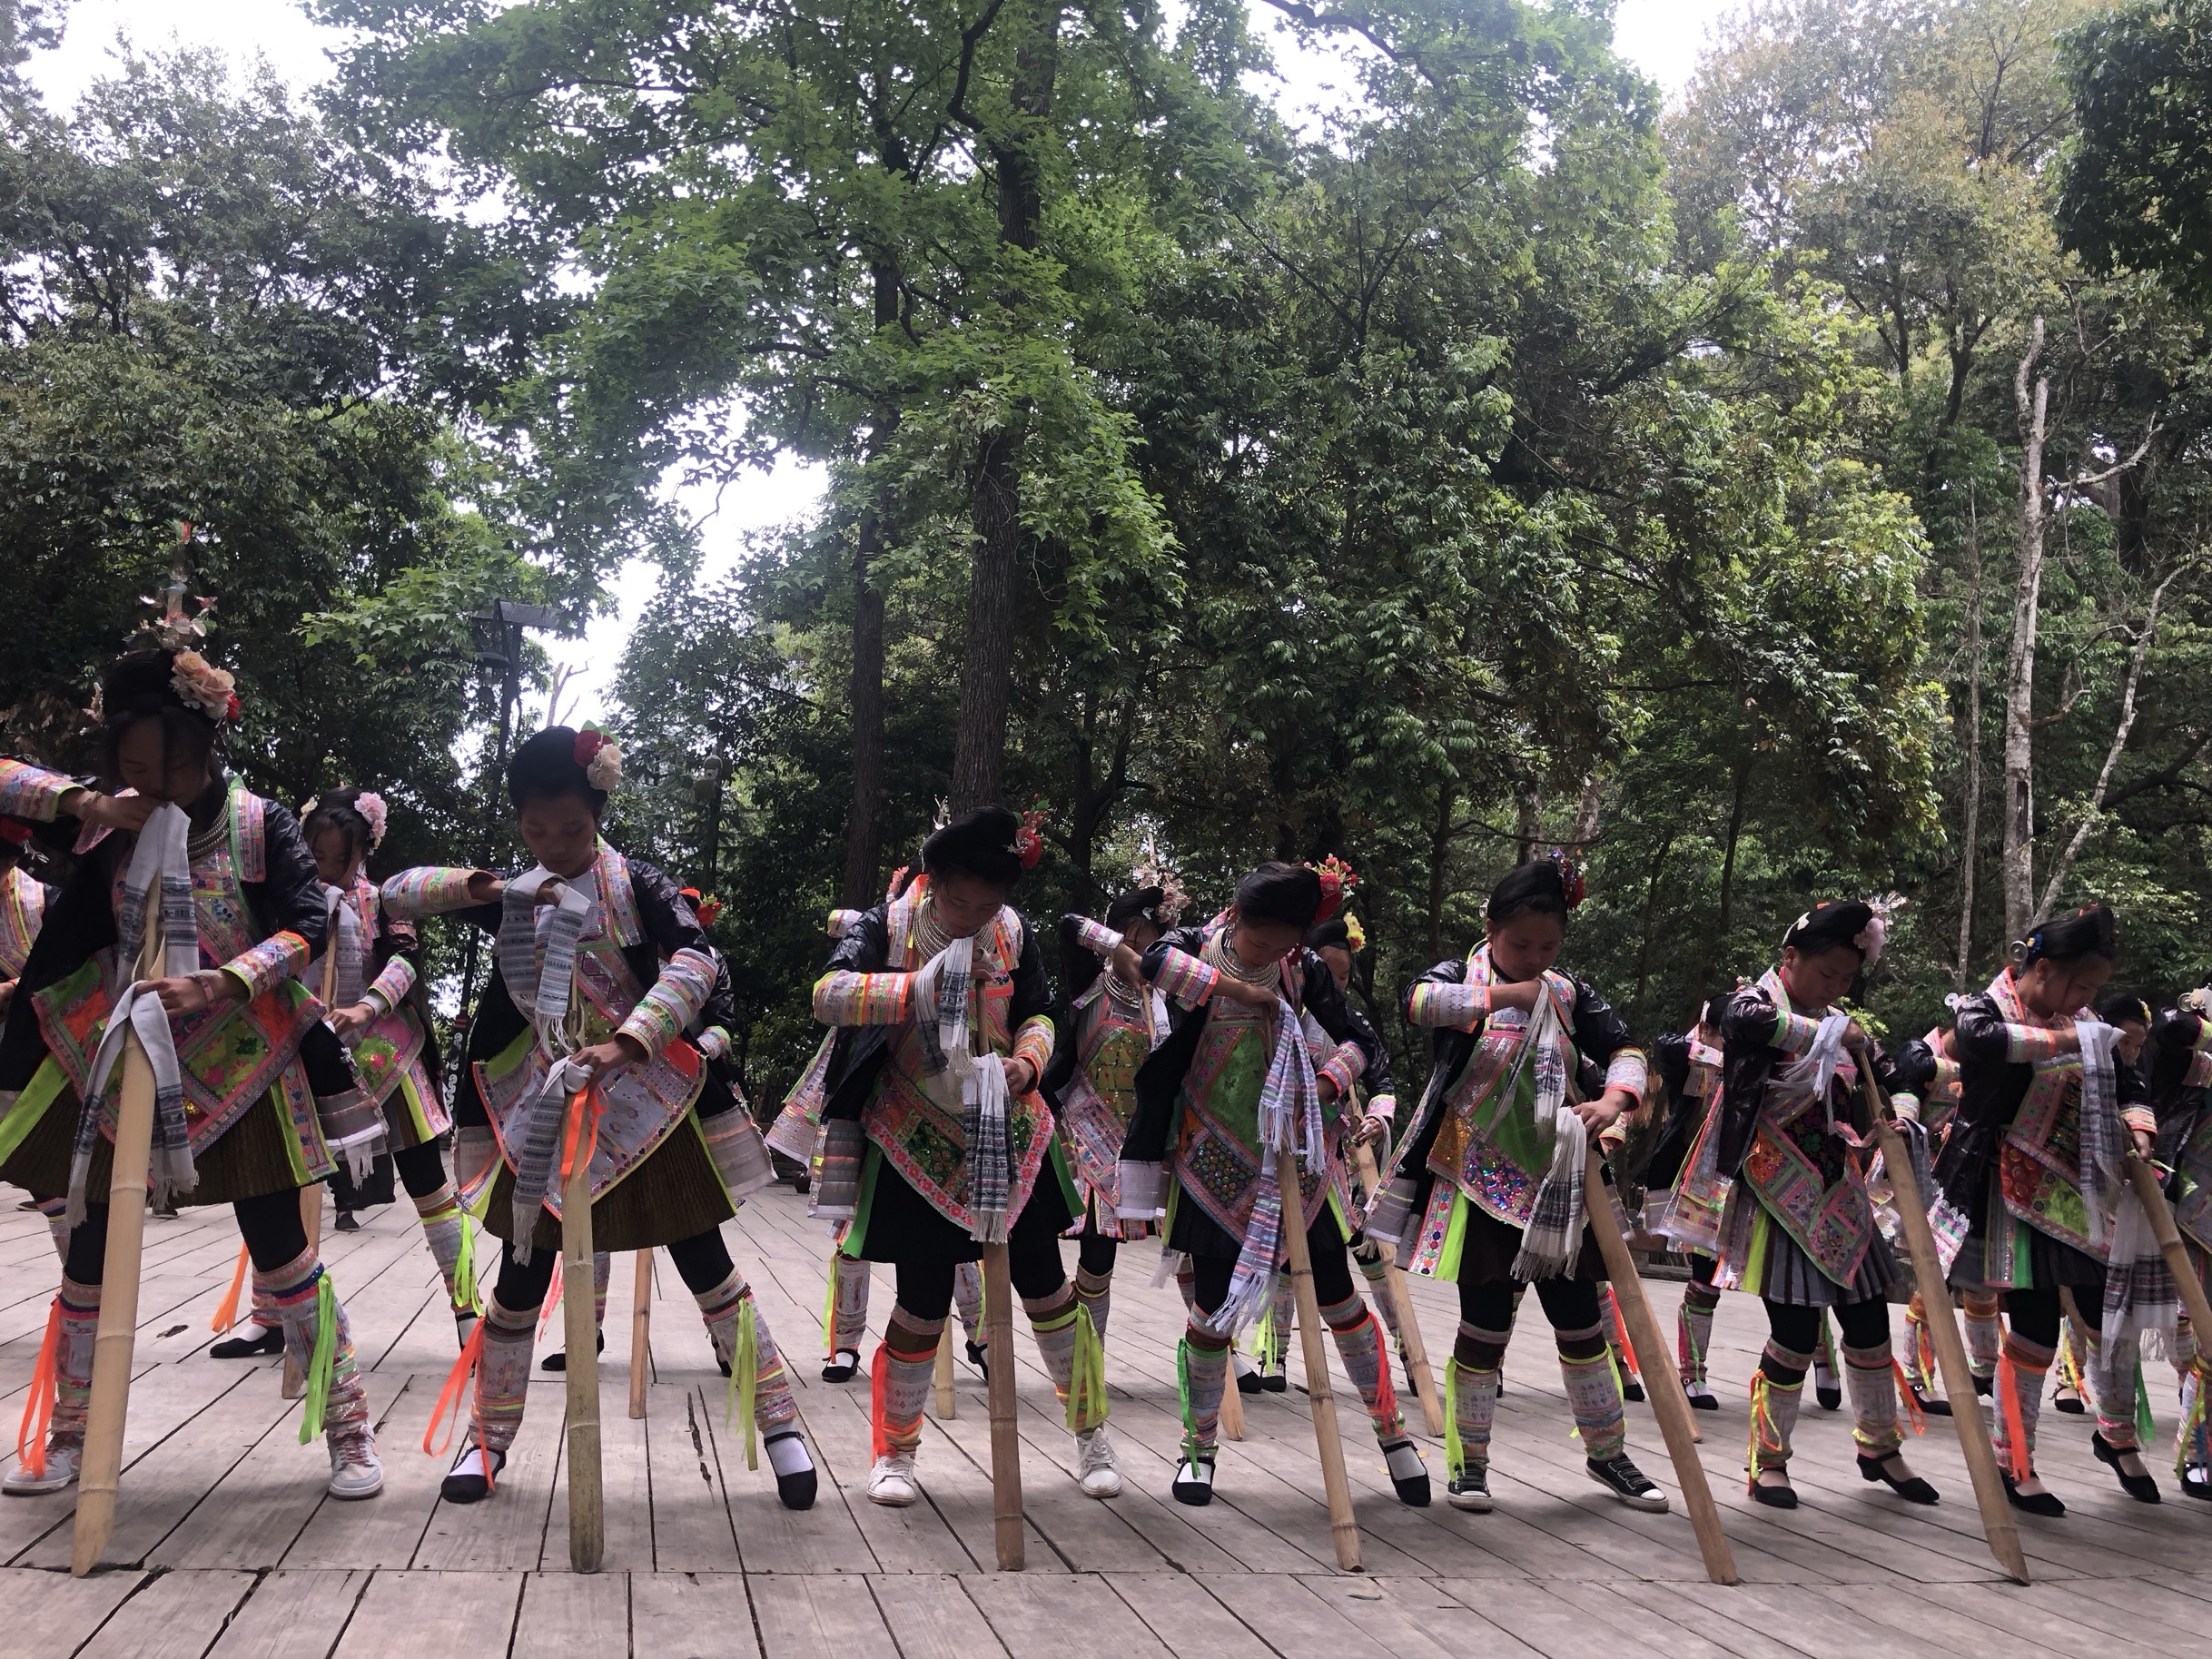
column 1800, row 493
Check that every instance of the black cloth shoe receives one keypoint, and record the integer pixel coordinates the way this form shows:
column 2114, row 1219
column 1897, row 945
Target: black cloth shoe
column 266, row 1346
column 1632, row 1390
column 348, row 1222
column 2039, row 1503
column 459, row 1488
column 1932, row 1406
column 1985, row 1385
column 1828, row 1399
column 1912, row 1488
column 1408, row 1474
column 839, row 1367
column 2197, row 1481
column 794, row 1491
column 979, row 1356
column 1193, row 1482
column 1621, row 1478
column 559, row 1362
column 1277, row 1381
column 2141, row 1487
column 2070, row 1403
column 1783, row 1496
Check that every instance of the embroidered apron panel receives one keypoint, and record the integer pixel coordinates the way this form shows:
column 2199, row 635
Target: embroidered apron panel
column 1808, row 1181
column 1095, row 1109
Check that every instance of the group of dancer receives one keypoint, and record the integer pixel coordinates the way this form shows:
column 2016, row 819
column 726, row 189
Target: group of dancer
column 1208, row 1084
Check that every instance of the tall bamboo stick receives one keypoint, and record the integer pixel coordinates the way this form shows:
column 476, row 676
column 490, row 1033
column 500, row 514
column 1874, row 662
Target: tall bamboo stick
column 587, row 1503
column 1005, row 1430
column 1401, row 1301
column 641, row 1333
column 1328, row 1441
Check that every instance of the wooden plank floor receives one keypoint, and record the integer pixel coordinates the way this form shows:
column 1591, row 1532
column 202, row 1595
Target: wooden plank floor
column 226, row 1545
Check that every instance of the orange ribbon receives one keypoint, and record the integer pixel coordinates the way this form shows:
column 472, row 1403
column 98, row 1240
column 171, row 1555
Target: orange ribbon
column 2015, row 1433
column 449, row 1399
column 226, row 1311
column 1914, row 1415
column 38, row 1406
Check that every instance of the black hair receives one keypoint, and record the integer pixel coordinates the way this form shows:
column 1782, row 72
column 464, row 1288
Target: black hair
column 338, row 809
column 2118, row 1007
column 1333, row 931
column 980, row 844
column 138, row 687
column 1288, row 895
column 545, row 767
column 1536, row 886
column 1138, row 904
column 2088, row 931
column 1836, row 921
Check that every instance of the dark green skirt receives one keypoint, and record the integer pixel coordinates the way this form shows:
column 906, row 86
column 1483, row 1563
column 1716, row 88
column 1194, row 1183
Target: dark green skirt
column 251, row 1158
column 675, row 1194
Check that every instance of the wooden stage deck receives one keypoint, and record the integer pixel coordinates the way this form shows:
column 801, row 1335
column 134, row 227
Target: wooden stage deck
column 226, row 1545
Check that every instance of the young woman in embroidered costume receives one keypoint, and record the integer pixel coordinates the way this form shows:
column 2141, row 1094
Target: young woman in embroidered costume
column 600, row 967
column 1798, row 1229
column 2181, row 1073
column 2032, row 1178
column 1929, row 1058
column 382, row 1016
column 797, row 1133
column 253, row 1092
column 1114, row 1021
column 1486, row 1188
column 1688, row 1064
column 936, row 1140
column 1232, row 1088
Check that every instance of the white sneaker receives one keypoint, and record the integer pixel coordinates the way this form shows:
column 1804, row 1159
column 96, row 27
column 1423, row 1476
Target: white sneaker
column 891, row 1481
column 355, row 1473
column 1095, row 1465
column 62, row 1463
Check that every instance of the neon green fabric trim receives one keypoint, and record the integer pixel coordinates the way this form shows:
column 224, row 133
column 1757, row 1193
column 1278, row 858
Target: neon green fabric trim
column 30, row 1105
column 1455, row 1241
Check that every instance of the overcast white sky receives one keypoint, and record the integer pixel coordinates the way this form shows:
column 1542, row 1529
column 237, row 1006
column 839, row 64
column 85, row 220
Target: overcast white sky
column 1663, row 38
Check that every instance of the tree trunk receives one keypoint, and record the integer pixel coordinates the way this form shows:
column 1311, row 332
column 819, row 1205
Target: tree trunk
column 1972, row 853
column 2019, row 680
column 986, row 681
column 1728, row 863
column 864, row 834
column 1587, row 811
column 1651, row 911
column 1439, row 851
column 1529, row 831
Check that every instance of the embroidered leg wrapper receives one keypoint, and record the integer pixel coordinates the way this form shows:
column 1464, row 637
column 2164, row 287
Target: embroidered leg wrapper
column 503, row 1376
column 291, row 1291
column 723, row 1307
column 56, row 1211
column 968, row 1297
column 904, row 1362
column 1376, row 1270
column 1203, row 1360
column 2021, row 1368
column 1777, row 1389
column 1069, row 1346
column 1870, row 1377
column 442, row 1224
column 1693, row 1331
column 1593, row 1390
column 1985, row 1332
column 80, row 1323
column 1470, row 1379
column 849, row 1282
column 1358, row 1334
column 2109, row 1372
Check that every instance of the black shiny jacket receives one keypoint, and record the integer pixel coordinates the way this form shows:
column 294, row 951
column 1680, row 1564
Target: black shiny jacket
column 1748, row 1059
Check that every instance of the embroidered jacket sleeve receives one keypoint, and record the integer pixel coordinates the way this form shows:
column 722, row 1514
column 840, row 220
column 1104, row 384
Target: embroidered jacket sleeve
column 687, row 964
column 33, row 795
column 2179, row 1055
column 2134, row 1091
column 1174, row 967
column 1443, row 998
column 1749, row 1015
column 839, row 920
column 1602, row 1037
column 1984, row 1037
column 1084, row 946
column 1907, row 1075
column 436, row 890
column 399, row 951
column 1359, row 1049
column 1029, row 1014
column 846, row 994
column 288, row 903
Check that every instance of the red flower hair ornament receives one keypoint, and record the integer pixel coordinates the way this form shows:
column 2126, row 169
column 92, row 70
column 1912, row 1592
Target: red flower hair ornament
column 1339, row 881
column 1029, row 840
column 602, row 761
column 1570, row 876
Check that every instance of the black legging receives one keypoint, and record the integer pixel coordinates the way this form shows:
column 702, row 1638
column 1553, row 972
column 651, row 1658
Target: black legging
column 1570, row 1304
column 269, row 1225
column 1094, row 1251
column 1798, row 1328
column 2035, row 1314
column 702, row 1261
column 422, row 1168
column 1033, row 1263
column 1332, row 1278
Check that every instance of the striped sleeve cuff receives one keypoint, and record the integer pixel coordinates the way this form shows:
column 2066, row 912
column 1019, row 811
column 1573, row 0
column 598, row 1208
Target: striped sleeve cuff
column 1794, row 1032
column 270, row 963
column 2026, row 1043
column 714, row 1042
column 686, row 980
column 840, row 920
column 2199, row 1075
column 1383, row 1106
column 33, row 791
column 1033, row 1042
column 427, row 890
column 1442, row 1005
column 842, row 997
column 2141, row 1117
column 1946, row 1076
column 1627, row 1069
column 389, row 988
column 1097, row 938
column 1188, row 978
column 1344, row 1067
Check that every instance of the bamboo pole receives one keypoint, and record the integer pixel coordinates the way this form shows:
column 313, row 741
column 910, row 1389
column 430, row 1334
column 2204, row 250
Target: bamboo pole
column 1232, row 1402
column 1668, row 1403
column 940, row 1374
column 641, row 1334
column 1951, row 1348
column 2170, row 1243
column 1344, row 1531
column 1005, row 1431
column 100, row 1468
column 586, row 1506
column 1401, row 1300
column 294, row 1385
